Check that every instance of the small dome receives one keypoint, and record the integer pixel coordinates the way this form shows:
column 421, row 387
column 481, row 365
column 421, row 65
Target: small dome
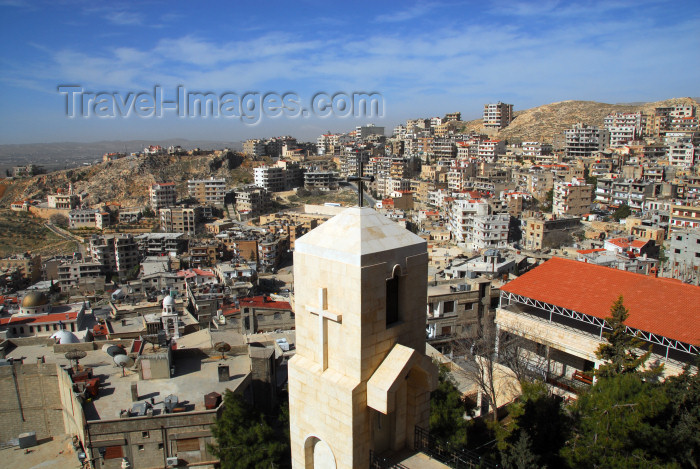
column 34, row 299
column 168, row 301
column 65, row 337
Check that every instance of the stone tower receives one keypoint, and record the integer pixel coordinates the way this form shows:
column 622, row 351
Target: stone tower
column 360, row 379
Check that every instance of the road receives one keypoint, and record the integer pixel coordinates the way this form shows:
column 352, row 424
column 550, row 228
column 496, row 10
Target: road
column 367, row 196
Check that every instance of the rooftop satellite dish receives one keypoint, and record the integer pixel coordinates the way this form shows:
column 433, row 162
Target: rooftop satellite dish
column 114, row 350
column 222, row 348
column 123, row 361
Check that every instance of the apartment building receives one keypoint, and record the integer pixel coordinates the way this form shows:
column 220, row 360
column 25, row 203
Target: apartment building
column 270, row 178
column 254, row 147
column 180, row 220
column 457, row 310
column 490, row 149
column 684, row 254
column 252, row 200
column 115, row 252
column 28, row 265
column 474, row 223
column 89, row 218
column 322, row 180
column 497, row 115
column 210, row 191
column 583, row 140
column 572, row 198
column 162, row 195
column 72, row 274
column 632, row 193
column 539, row 233
column 684, row 217
column 683, row 154
column 160, row 244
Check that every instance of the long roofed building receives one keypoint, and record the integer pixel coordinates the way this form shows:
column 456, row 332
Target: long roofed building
column 560, row 308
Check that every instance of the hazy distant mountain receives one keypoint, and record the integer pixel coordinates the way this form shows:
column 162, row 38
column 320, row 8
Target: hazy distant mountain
column 70, row 154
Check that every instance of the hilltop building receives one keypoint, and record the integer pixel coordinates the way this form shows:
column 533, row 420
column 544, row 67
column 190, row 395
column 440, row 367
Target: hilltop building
column 498, row 115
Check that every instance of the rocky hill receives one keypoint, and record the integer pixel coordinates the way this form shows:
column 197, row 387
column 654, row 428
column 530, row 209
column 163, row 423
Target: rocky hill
column 125, row 181
column 544, row 122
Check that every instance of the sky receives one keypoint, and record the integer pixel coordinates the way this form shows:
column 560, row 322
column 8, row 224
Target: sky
column 74, row 70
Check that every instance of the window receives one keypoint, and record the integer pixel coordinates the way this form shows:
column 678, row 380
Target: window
column 392, row 299
column 160, row 445
column 188, row 444
column 144, row 434
column 141, row 448
column 278, row 315
column 113, row 452
column 449, row 307
column 677, row 251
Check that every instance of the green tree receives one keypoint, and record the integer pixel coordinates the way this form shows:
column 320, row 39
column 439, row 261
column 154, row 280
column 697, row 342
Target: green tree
column 620, row 352
column 622, row 212
column 536, row 430
column 681, row 420
column 447, row 409
column 244, row 439
column 614, row 424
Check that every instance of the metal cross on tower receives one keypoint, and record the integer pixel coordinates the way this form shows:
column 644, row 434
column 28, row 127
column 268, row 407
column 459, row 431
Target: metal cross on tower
column 359, row 178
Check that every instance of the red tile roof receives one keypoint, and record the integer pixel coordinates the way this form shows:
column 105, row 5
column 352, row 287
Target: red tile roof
column 41, row 318
column 589, row 251
column 661, row 306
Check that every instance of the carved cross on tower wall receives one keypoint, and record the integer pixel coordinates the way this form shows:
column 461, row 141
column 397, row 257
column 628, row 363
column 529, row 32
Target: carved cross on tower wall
column 359, row 178
column 323, row 314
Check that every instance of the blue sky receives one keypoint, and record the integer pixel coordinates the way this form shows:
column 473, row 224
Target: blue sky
column 425, row 58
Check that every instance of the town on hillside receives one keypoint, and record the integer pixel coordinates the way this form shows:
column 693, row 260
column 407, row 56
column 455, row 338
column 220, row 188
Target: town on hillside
column 161, row 290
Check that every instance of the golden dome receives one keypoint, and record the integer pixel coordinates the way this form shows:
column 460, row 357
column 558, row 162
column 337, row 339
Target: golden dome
column 34, row 299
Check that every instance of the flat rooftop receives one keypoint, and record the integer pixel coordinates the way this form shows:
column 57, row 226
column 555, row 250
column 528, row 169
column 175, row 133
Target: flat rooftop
column 194, row 377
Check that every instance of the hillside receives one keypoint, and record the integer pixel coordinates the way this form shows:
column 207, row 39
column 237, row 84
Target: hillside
column 126, row 181
column 542, row 123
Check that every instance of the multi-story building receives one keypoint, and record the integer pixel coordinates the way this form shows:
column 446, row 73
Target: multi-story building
column 582, row 140
column 457, row 310
column 572, row 198
column 625, row 127
column 89, row 218
column 27, row 264
column 684, row 217
column 270, row 178
column 633, row 194
column 539, row 233
column 254, row 147
column 210, row 191
column 252, row 200
column 324, row 180
column 537, row 151
column 498, row 115
column 71, row 274
column 115, row 252
column 474, row 223
column 490, row 149
column 180, row 220
column 684, row 254
column 162, row 195
column 64, row 201
column 682, row 154
column 160, row 244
